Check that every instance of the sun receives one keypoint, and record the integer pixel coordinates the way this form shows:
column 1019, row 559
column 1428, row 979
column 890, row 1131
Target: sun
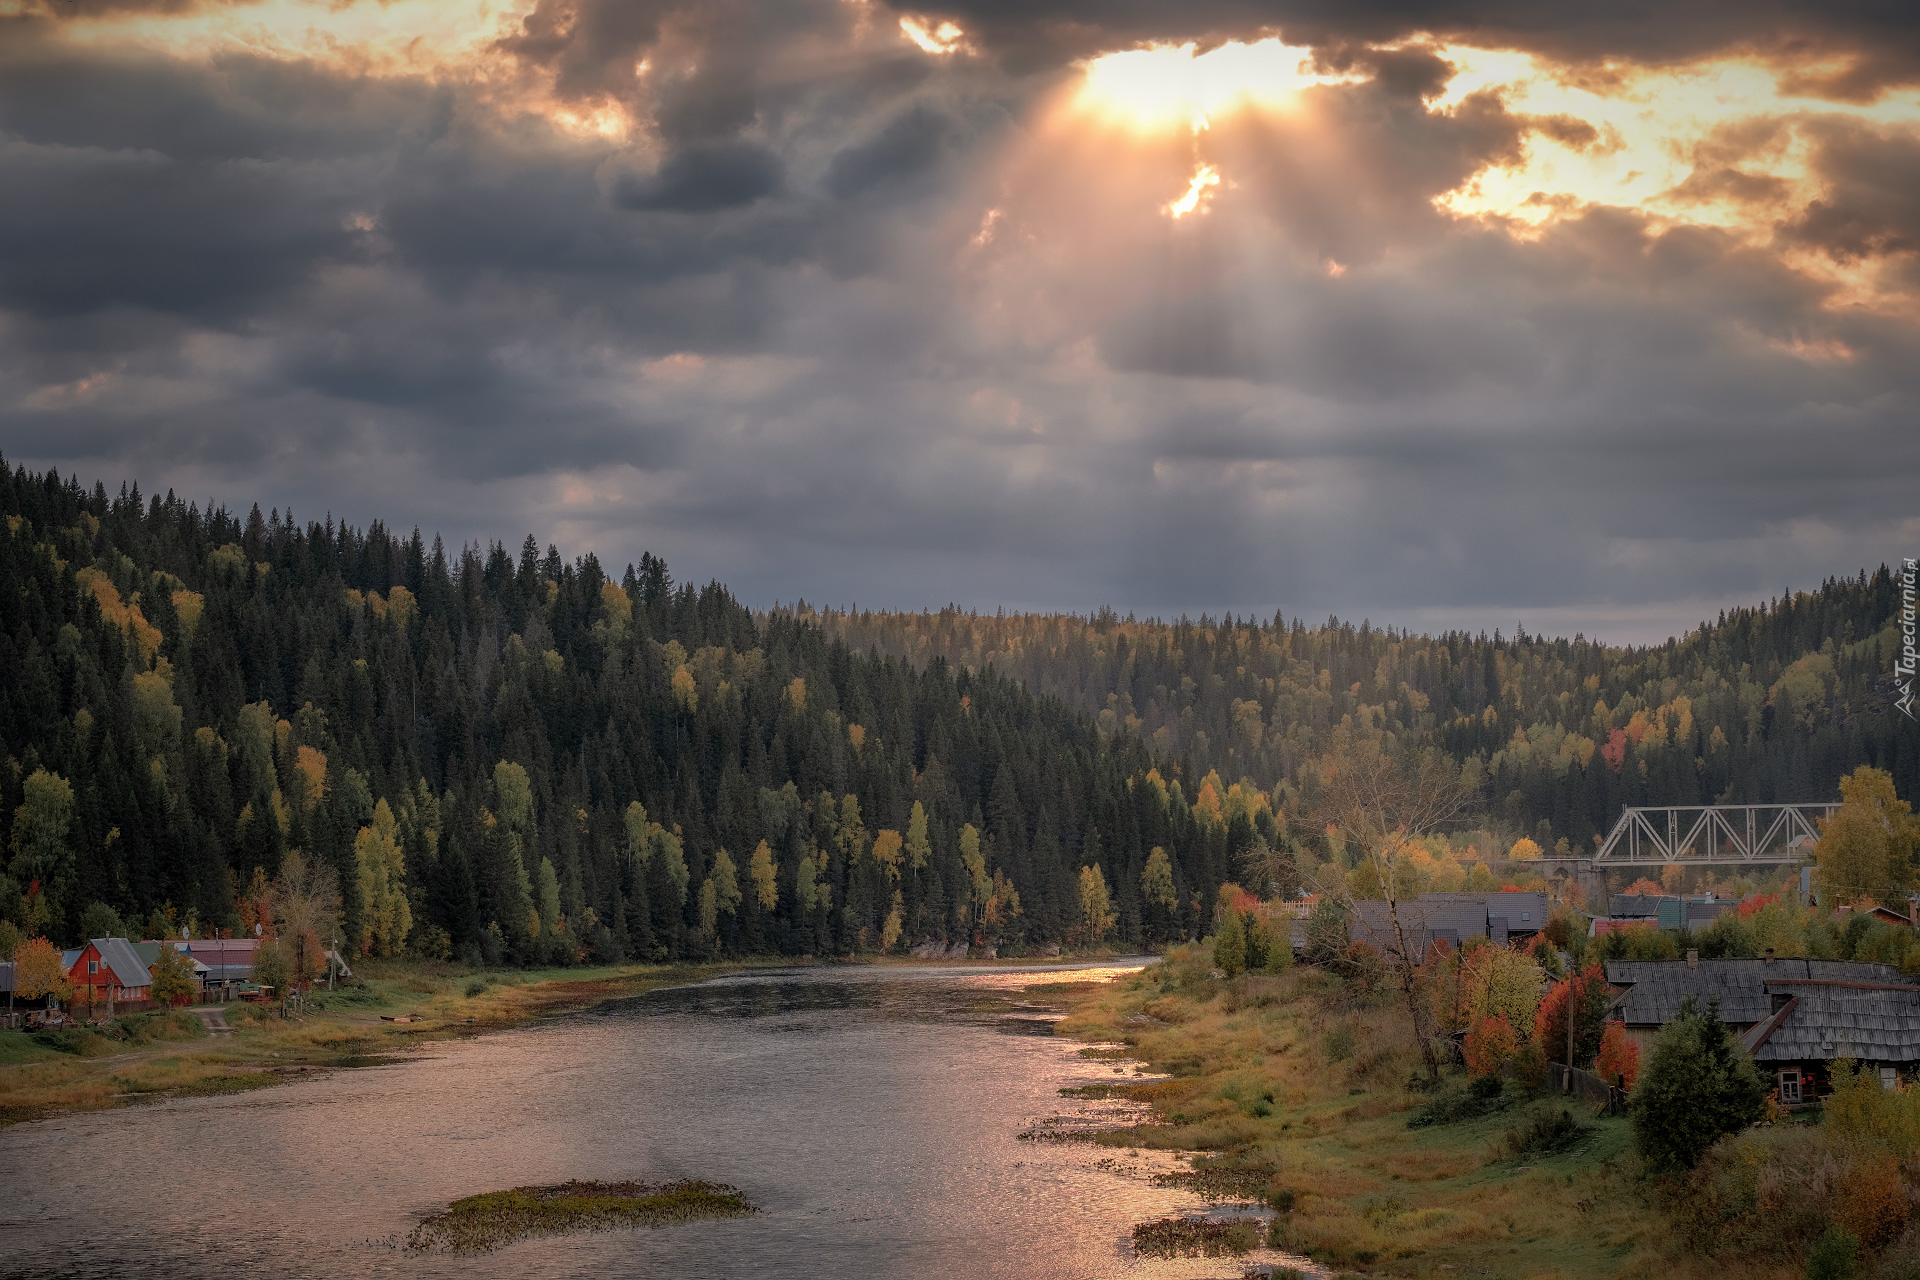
column 1173, row 86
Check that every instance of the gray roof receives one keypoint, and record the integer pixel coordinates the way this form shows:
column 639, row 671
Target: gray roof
column 226, row 959
column 1869, row 1021
column 1525, row 911
column 1424, row 922
column 1655, row 988
column 122, row 961
column 1705, row 913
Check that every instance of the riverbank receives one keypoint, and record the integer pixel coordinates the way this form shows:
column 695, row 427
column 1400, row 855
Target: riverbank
column 390, row 1010
column 1301, row 1090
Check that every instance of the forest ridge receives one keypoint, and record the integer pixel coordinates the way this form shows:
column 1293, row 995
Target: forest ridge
column 1767, row 704
column 525, row 758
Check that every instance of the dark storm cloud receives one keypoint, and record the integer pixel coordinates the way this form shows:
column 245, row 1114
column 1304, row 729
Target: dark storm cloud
column 845, row 320
column 701, row 179
column 906, row 146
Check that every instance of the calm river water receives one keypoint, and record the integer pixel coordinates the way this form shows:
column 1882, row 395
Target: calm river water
column 870, row 1113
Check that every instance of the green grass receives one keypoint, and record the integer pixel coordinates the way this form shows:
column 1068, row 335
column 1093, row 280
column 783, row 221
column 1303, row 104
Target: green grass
column 1259, row 1089
column 488, row 1221
column 19, row 1047
column 221, row 1086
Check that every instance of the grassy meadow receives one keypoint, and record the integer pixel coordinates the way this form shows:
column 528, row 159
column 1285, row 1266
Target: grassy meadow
column 1296, row 1084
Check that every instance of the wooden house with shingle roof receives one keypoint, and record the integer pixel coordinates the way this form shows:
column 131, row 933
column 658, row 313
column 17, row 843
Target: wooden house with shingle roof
column 1817, row 1022
column 1796, row 1017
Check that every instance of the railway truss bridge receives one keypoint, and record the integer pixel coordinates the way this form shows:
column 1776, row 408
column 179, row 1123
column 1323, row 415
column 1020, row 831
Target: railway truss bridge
column 1709, row 835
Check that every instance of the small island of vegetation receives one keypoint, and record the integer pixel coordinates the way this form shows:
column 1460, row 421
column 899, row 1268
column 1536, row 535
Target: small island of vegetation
column 479, row 1224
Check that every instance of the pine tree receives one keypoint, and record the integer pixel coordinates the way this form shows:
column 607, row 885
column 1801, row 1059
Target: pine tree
column 1697, row 1086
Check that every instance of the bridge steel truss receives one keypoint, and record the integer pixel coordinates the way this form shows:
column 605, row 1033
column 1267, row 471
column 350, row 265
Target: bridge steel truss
column 1711, row 835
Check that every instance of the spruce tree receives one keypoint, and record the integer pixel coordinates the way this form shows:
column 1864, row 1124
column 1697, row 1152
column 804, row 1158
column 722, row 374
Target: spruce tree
column 1698, row 1086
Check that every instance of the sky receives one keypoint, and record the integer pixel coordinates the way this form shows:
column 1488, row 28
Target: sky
column 1465, row 313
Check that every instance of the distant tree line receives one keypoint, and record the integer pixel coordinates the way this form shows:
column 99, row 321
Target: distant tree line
column 1768, row 704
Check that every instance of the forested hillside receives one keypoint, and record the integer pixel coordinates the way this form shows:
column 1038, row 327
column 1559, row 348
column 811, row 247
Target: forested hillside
column 1772, row 703
column 516, row 757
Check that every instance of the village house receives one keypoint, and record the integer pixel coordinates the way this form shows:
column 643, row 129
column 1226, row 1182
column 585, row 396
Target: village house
column 1877, row 1024
column 227, row 961
column 149, row 953
column 1449, row 919
column 108, row 978
column 1659, row 911
column 1796, row 1017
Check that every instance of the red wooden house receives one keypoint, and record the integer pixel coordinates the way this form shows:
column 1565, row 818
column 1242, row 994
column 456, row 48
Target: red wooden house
column 109, row 979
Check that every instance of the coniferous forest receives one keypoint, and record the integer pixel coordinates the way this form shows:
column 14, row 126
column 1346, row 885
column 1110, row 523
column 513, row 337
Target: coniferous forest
column 515, row 757
column 509, row 756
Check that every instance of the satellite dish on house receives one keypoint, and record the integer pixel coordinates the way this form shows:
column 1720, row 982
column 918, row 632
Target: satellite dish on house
column 256, row 928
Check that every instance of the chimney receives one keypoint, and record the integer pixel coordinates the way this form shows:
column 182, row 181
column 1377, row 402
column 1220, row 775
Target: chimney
column 1769, row 955
column 1693, row 958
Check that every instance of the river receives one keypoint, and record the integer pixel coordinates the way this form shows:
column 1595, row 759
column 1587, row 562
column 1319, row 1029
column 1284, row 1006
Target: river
column 871, row 1113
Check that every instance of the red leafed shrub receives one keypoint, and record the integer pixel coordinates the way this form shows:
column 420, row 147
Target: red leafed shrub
column 1619, row 1056
column 1490, row 1045
column 1614, row 752
column 1754, row 903
column 1590, row 998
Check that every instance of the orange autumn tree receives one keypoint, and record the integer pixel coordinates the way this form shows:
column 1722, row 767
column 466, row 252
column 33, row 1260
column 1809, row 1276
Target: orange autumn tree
column 1490, row 1045
column 37, row 971
column 1590, row 997
column 1619, row 1060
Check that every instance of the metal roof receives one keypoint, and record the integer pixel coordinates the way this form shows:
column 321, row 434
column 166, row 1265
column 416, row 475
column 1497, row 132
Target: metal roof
column 1870, row 1021
column 226, row 959
column 1525, row 910
column 1422, row 921
column 121, row 961
column 1656, row 988
column 149, row 953
column 1705, row 913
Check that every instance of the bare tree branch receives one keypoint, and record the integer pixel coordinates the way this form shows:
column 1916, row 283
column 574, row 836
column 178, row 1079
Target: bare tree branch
column 1381, row 802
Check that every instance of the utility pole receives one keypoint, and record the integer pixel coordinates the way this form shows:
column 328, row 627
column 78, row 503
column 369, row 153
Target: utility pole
column 1572, row 991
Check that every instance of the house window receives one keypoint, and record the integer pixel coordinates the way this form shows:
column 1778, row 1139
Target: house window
column 1889, row 1078
column 1790, row 1086
column 93, row 966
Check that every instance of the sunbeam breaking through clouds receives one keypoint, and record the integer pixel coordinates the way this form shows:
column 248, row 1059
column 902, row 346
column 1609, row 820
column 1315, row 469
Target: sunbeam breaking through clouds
column 1185, row 311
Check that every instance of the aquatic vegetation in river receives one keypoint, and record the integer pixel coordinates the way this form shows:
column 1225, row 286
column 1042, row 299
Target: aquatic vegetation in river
column 480, row 1223
column 1223, row 1183
column 1196, row 1237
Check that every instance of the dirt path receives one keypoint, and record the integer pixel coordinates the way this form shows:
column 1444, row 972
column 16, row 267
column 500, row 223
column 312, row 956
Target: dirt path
column 214, row 1020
